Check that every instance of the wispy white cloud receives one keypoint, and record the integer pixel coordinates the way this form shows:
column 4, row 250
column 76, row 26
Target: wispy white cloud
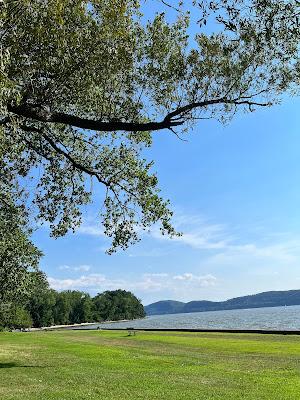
column 90, row 229
column 80, row 268
column 198, row 233
column 222, row 250
column 156, row 275
column 200, row 240
column 151, row 283
column 203, row 281
column 226, row 247
column 154, row 252
column 83, row 282
column 253, row 255
column 202, row 234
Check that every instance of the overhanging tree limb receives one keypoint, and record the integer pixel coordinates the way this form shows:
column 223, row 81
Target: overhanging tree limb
column 42, row 115
column 82, row 88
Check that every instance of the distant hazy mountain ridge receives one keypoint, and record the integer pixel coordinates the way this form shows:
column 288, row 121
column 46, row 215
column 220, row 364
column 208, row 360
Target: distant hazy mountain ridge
column 265, row 299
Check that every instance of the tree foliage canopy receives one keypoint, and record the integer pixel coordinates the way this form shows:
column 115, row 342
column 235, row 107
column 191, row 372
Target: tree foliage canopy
column 19, row 257
column 85, row 84
column 48, row 307
column 114, row 305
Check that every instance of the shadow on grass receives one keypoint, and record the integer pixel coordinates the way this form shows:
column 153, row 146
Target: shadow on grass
column 15, row 365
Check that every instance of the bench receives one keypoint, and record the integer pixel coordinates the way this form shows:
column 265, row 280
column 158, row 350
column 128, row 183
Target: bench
column 131, row 331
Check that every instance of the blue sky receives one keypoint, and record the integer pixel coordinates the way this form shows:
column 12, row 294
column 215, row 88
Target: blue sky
column 235, row 191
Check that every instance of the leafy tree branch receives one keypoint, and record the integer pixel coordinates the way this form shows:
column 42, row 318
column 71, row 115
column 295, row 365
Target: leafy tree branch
column 84, row 85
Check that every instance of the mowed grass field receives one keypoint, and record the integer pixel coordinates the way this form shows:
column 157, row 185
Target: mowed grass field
column 110, row 365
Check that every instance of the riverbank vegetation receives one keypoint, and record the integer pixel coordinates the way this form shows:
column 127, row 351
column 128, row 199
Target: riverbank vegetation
column 91, row 365
column 47, row 307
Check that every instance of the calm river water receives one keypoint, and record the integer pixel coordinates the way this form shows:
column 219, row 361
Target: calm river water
column 281, row 318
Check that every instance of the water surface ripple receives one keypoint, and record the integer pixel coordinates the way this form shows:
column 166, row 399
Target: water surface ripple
column 273, row 318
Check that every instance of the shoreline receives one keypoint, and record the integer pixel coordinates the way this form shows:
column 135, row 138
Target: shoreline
column 54, row 327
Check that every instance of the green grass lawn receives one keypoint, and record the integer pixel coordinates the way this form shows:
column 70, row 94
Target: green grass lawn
column 110, row 365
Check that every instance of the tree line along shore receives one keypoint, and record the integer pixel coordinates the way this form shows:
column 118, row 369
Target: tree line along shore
column 46, row 307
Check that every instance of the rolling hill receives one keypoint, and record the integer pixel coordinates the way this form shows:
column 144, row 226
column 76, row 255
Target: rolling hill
column 265, row 299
